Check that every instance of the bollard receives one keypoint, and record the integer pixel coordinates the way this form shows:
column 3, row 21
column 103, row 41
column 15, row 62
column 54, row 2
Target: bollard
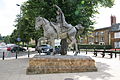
column 3, row 55
column 16, row 54
column 28, row 54
column 86, row 50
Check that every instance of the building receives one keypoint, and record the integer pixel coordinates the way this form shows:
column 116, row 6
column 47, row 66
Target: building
column 115, row 35
column 101, row 36
column 105, row 36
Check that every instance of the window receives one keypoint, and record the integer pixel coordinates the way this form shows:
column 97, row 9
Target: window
column 102, row 33
column 96, row 39
column 117, row 35
column 119, row 27
column 96, row 33
column 102, row 39
column 117, row 44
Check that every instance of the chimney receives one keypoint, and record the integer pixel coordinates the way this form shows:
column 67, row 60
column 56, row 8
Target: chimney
column 113, row 20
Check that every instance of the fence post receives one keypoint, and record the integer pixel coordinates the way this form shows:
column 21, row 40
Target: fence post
column 3, row 55
column 94, row 50
column 103, row 53
column 95, row 53
column 115, row 53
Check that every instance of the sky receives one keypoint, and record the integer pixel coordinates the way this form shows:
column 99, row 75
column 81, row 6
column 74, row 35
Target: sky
column 9, row 10
column 103, row 19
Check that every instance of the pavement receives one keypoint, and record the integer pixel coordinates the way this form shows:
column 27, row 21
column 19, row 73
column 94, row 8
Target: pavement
column 15, row 69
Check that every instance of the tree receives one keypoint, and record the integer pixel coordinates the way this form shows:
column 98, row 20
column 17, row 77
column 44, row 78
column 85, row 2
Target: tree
column 7, row 39
column 1, row 38
column 76, row 12
column 13, row 36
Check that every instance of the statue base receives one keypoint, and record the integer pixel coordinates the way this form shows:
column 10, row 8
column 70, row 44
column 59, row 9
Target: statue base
column 60, row 64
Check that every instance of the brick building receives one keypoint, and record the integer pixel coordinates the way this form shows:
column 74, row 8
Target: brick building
column 115, row 35
column 105, row 36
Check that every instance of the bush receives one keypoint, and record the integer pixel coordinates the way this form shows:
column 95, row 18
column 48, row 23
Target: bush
column 94, row 46
column 31, row 45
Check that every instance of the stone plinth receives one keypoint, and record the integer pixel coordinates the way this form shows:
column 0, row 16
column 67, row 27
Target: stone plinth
column 60, row 64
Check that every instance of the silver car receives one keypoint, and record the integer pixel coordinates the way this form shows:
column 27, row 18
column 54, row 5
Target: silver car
column 44, row 49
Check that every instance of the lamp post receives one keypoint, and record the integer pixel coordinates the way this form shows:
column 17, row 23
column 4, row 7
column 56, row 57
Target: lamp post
column 18, row 38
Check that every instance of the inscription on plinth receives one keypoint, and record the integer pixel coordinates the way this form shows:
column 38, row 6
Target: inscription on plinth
column 60, row 64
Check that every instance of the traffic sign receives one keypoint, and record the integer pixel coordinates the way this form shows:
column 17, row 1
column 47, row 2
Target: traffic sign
column 18, row 39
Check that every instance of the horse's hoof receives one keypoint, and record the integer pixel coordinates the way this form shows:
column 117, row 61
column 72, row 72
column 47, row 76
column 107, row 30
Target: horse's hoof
column 76, row 54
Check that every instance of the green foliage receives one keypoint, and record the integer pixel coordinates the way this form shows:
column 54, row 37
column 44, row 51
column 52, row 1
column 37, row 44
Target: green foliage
column 28, row 45
column 76, row 12
column 95, row 46
column 14, row 36
column 6, row 39
column 1, row 38
column 31, row 45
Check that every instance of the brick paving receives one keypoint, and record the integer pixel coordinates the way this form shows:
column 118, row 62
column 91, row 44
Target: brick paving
column 15, row 69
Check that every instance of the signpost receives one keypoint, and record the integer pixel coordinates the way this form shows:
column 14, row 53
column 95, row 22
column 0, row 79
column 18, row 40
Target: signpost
column 18, row 39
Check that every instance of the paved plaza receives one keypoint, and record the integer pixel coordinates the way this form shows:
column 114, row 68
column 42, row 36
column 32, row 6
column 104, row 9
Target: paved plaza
column 15, row 69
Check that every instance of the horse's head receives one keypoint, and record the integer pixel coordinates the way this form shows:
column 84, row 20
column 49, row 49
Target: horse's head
column 39, row 22
column 80, row 27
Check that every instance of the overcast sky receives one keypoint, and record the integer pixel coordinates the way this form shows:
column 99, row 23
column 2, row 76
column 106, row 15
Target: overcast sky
column 9, row 10
column 103, row 19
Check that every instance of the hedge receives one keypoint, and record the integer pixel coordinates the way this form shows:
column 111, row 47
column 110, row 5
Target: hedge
column 95, row 46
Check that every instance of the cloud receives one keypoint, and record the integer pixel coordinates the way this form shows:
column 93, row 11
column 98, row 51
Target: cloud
column 8, row 12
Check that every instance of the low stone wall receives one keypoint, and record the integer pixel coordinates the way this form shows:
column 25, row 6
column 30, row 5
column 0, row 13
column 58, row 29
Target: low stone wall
column 60, row 64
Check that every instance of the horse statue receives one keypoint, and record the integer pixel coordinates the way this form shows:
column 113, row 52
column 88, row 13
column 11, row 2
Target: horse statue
column 53, row 31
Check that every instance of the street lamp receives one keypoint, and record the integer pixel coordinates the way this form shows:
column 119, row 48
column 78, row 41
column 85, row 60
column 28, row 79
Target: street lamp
column 19, row 39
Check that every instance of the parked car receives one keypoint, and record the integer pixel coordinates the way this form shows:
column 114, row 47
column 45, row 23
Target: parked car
column 3, row 48
column 10, row 46
column 44, row 49
column 57, row 49
column 17, row 48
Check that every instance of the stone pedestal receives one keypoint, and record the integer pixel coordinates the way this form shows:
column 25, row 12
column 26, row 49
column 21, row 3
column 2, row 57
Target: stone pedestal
column 60, row 64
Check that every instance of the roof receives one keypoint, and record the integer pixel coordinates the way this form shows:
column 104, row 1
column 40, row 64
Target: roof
column 115, row 27
column 103, row 28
